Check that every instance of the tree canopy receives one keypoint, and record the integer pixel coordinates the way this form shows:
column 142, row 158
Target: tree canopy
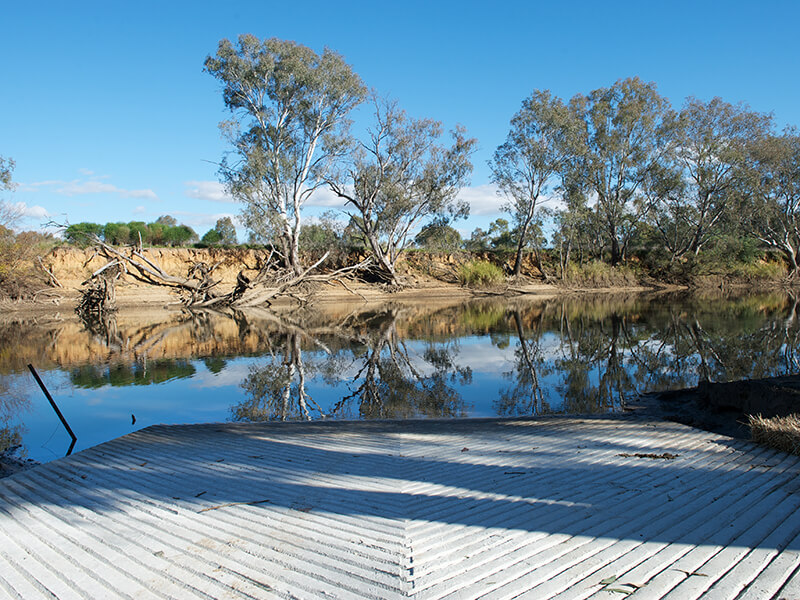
column 289, row 124
column 402, row 176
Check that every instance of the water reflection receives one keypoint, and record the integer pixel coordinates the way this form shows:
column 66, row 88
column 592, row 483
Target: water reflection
column 141, row 372
column 389, row 380
column 484, row 358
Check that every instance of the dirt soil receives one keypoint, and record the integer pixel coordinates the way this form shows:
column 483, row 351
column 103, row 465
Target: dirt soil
column 425, row 278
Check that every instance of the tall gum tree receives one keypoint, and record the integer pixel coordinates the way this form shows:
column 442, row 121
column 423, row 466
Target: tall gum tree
column 289, row 125
column 691, row 196
column 772, row 203
column 400, row 177
column 626, row 132
column 534, row 154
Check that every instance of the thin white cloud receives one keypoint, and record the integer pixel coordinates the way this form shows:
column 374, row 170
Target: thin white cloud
column 139, row 210
column 93, row 185
column 482, row 199
column 78, row 188
column 206, row 190
column 214, row 191
column 29, row 212
column 325, row 198
column 32, row 187
column 19, row 216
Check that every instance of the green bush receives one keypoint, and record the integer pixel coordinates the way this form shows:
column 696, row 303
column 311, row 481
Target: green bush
column 480, row 273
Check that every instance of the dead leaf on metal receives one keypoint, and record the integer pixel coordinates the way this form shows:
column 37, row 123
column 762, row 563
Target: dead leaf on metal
column 608, row 580
column 665, row 455
column 253, row 503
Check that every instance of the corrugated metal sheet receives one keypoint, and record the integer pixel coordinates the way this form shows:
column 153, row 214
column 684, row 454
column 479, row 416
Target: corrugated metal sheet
column 548, row 508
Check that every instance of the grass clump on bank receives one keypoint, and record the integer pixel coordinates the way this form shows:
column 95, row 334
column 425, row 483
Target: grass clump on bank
column 597, row 274
column 480, row 273
column 782, row 433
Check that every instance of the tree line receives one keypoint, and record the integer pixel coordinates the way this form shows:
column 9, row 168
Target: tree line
column 615, row 175
column 164, row 231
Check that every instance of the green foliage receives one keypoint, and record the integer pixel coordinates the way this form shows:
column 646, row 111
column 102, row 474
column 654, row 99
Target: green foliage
column 211, row 237
column 289, row 125
column 159, row 233
column 540, row 144
column 167, row 221
column 483, row 318
column 480, row 273
column 139, row 232
column 81, row 234
column 317, row 238
column 401, row 177
column 116, row 234
column 181, row 235
column 438, row 236
column 479, row 241
column 123, row 375
column 223, row 233
column 500, row 236
column 6, row 170
column 226, row 230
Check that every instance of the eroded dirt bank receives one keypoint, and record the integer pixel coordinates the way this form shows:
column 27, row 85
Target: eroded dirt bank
column 426, row 278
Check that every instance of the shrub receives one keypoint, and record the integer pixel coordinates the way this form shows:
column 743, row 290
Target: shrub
column 480, row 273
column 598, row 274
column 20, row 275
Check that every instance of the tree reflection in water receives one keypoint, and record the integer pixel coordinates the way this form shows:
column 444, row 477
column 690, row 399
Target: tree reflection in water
column 577, row 355
column 390, row 380
column 525, row 395
column 277, row 390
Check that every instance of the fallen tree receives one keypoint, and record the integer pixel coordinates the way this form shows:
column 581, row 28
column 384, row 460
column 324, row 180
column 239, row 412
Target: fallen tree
column 256, row 285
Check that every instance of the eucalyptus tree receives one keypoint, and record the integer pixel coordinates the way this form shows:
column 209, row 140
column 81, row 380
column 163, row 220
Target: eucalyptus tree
column 773, row 209
column 226, row 230
column 9, row 214
column 6, row 170
column 692, row 195
column 438, row 236
column 289, row 124
column 400, row 177
column 529, row 162
column 626, row 132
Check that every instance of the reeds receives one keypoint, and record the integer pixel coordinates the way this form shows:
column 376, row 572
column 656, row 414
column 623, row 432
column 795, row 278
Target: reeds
column 782, row 433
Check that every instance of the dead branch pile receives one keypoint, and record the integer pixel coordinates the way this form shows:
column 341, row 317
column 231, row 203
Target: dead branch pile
column 256, row 285
column 99, row 296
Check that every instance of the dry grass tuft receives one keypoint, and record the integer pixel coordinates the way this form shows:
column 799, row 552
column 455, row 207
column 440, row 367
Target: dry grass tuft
column 782, row 433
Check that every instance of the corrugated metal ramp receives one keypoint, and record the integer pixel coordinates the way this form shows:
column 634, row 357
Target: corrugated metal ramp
column 547, row 508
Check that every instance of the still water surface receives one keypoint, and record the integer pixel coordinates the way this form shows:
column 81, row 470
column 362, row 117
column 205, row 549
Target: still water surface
column 478, row 359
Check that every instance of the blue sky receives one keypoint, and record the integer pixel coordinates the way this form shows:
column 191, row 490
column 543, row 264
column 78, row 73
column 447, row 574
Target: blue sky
column 109, row 116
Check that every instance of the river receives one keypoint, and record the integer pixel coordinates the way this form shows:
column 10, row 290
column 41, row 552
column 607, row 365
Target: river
column 494, row 357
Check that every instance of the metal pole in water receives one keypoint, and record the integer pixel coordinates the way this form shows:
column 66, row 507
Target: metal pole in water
column 53, row 404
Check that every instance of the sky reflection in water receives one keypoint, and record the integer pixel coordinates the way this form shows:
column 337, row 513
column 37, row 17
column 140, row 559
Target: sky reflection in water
column 484, row 358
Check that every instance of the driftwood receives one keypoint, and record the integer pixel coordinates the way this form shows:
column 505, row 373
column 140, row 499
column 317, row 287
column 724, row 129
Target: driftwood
column 198, row 286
